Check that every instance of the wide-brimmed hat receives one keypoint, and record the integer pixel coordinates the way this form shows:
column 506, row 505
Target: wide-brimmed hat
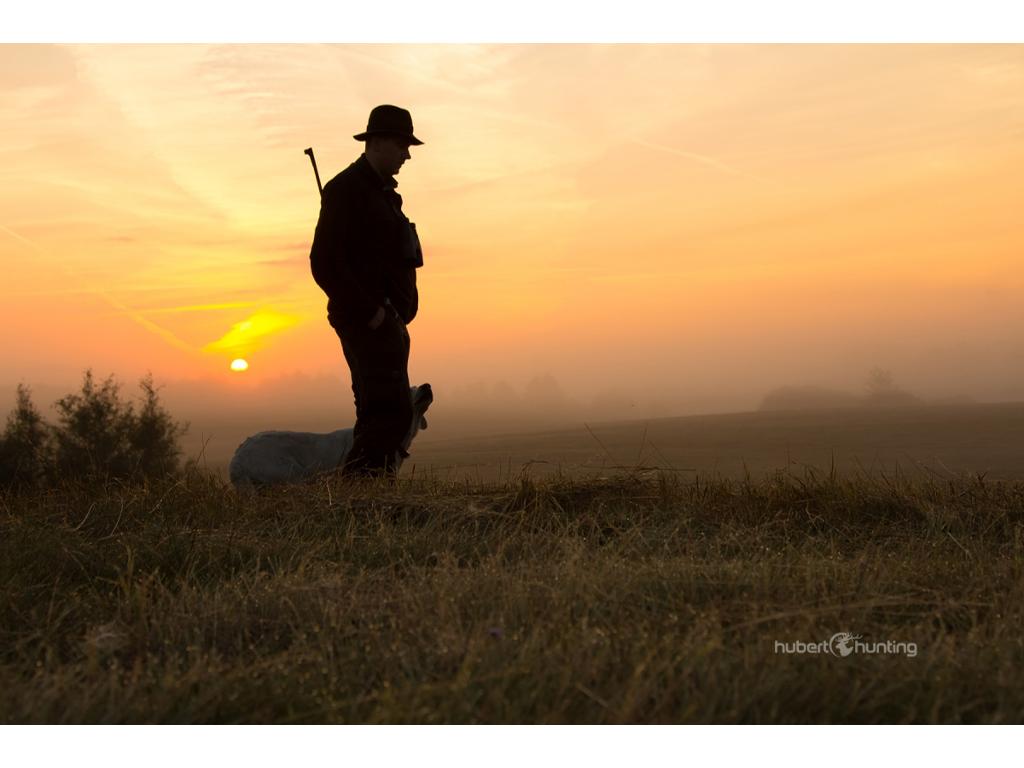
column 389, row 120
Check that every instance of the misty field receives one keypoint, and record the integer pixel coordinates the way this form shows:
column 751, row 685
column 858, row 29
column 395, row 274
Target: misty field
column 633, row 597
column 921, row 442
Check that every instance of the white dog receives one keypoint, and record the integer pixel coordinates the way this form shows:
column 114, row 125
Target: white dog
column 286, row 457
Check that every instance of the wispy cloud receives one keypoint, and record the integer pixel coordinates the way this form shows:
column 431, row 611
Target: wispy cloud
column 197, row 308
column 708, row 161
column 145, row 322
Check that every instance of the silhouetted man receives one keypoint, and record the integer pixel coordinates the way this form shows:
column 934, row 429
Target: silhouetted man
column 364, row 256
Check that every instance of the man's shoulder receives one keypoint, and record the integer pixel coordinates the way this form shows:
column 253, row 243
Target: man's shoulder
column 342, row 181
column 352, row 179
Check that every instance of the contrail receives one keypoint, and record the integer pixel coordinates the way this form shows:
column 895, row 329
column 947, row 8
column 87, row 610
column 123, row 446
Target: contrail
column 26, row 241
column 200, row 307
column 149, row 325
column 705, row 160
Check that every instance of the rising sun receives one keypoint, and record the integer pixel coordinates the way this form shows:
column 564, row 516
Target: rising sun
column 239, row 364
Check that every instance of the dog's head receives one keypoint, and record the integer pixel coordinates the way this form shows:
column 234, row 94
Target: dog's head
column 422, row 396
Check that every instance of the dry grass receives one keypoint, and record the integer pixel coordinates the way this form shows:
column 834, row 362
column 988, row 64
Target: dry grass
column 636, row 598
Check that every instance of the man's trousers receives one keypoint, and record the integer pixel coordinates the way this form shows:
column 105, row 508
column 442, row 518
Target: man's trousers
column 379, row 363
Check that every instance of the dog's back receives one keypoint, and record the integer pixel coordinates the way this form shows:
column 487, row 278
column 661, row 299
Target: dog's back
column 282, row 457
column 273, row 457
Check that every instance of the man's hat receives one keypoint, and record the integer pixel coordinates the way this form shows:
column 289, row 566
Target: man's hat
column 390, row 121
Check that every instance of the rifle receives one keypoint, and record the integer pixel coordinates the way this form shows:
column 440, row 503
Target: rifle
column 309, row 151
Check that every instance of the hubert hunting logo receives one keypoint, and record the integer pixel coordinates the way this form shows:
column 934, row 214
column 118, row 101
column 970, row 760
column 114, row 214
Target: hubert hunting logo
column 843, row 644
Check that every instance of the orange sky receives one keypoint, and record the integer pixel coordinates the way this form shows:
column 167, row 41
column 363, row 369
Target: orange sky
column 667, row 219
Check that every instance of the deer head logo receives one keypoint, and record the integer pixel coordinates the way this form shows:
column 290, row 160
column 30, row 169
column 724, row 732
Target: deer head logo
column 841, row 643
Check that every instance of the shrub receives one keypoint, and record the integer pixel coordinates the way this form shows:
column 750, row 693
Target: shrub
column 154, row 435
column 26, row 445
column 97, row 435
column 93, row 436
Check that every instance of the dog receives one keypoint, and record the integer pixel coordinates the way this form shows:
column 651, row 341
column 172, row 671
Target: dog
column 273, row 457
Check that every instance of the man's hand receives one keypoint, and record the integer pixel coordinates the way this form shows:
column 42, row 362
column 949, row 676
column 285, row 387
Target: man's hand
column 377, row 319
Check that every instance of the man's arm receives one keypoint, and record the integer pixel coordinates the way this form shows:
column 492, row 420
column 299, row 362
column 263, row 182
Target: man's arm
column 405, row 297
column 335, row 246
column 377, row 318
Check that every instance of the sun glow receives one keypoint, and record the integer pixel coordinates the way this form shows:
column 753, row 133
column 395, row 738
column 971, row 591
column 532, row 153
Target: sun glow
column 239, row 365
column 254, row 329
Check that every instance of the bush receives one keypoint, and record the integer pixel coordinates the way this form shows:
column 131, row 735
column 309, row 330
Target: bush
column 25, row 447
column 98, row 435
column 154, row 435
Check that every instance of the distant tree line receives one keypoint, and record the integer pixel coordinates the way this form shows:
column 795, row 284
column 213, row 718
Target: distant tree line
column 97, row 435
column 880, row 390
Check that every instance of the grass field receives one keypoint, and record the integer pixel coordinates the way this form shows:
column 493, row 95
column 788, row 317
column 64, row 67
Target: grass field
column 633, row 596
column 920, row 442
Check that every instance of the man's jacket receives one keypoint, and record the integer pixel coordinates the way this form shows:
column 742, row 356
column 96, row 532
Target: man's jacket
column 365, row 251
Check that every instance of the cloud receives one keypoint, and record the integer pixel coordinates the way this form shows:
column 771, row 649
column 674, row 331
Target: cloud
column 251, row 333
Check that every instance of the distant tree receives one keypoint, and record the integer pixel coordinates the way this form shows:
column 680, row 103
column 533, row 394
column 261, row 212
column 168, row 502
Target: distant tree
column 25, row 446
column 504, row 396
column 881, row 389
column 879, row 383
column 807, row 397
column 544, row 393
